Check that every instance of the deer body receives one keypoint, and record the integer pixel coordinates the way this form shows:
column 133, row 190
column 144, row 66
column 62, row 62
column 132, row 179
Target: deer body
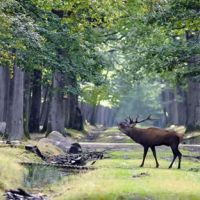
column 152, row 137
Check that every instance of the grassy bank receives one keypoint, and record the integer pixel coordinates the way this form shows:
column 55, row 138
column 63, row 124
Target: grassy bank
column 120, row 178
column 12, row 174
column 116, row 178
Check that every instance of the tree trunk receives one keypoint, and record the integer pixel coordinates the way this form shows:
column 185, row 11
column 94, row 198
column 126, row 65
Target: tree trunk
column 27, row 97
column 45, row 108
column 182, row 105
column 73, row 113
column 174, row 106
column 57, row 107
column 14, row 120
column 4, row 86
column 193, row 93
column 34, row 122
column 193, row 105
column 93, row 116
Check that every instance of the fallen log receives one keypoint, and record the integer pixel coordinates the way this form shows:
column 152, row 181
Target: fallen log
column 78, row 158
column 20, row 194
column 35, row 150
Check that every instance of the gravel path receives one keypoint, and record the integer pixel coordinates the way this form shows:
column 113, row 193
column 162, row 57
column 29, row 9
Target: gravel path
column 131, row 146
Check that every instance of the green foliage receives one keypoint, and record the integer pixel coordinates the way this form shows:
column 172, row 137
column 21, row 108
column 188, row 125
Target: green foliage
column 157, row 43
column 111, row 46
column 57, row 35
column 95, row 94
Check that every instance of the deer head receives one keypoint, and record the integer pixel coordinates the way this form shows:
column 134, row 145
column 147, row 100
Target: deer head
column 130, row 123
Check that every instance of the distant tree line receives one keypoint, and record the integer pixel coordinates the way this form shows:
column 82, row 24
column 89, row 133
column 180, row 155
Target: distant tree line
column 56, row 54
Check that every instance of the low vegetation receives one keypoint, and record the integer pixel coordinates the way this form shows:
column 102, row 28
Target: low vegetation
column 12, row 174
column 118, row 176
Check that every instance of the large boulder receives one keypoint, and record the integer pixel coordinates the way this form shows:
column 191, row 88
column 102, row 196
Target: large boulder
column 57, row 139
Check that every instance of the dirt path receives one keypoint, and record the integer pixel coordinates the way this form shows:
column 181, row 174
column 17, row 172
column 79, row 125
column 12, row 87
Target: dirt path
column 131, row 146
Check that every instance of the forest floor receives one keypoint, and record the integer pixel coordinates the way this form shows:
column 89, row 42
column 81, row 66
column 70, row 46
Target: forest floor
column 117, row 177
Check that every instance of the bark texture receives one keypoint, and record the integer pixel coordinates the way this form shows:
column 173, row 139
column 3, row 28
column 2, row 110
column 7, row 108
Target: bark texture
column 73, row 114
column 27, row 98
column 193, row 93
column 174, row 106
column 14, row 120
column 57, row 107
column 34, row 122
column 4, row 86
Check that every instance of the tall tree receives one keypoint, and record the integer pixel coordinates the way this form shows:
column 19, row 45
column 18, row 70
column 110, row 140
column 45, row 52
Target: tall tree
column 34, row 122
column 4, row 86
column 14, row 120
column 56, row 120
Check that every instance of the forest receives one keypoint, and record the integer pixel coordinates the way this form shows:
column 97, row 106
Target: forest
column 61, row 60
column 69, row 65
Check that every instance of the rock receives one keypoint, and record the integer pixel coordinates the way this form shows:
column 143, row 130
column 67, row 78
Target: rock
column 58, row 140
column 75, row 148
column 2, row 128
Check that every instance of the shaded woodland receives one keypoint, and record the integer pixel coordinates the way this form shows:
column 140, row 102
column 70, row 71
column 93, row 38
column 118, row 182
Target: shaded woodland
column 64, row 63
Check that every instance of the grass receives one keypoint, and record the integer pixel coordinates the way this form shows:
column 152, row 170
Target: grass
column 11, row 172
column 76, row 135
column 116, row 178
column 113, row 180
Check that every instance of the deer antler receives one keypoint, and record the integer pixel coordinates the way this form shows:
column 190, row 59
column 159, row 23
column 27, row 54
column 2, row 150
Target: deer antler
column 148, row 118
column 130, row 120
column 136, row 119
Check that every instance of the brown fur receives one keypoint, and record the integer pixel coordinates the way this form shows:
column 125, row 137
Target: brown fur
column 151, row 137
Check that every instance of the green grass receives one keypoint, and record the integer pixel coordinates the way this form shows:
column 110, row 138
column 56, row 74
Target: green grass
column 11, row 172
column 113, row 180
column 76, row 135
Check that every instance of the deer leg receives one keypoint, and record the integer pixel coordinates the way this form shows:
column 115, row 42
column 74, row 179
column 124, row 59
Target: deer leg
column 179, row 157
column 174, row 158
column 154, row 154
column 144, row 155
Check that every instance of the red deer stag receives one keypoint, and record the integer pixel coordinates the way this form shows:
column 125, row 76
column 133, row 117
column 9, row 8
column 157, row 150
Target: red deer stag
column 151, row 137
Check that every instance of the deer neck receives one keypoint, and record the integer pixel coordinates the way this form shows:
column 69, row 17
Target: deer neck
column 134, row 133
